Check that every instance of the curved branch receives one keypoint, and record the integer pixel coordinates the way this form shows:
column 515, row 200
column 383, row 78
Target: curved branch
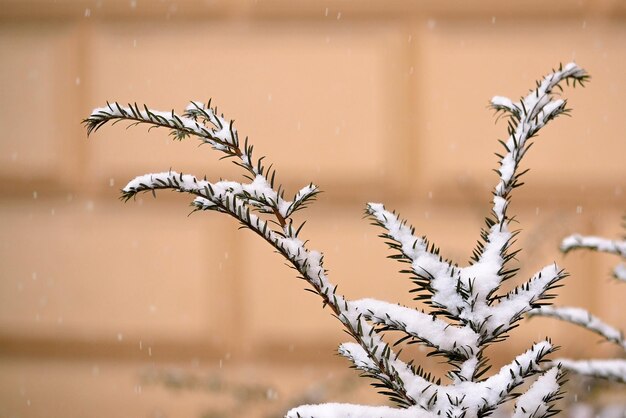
column 538, row 400
column 427, row 328
column 603, row 369
column 585, row 319
column 433, row 274
column 390, row 370
column 522, row 299
column 576, row 242
column 499, row 386
column 527, row 117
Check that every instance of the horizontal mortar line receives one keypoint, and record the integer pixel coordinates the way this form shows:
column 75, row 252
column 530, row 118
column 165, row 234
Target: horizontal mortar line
column 289, row 9
column 545, row 195
column 160, row 351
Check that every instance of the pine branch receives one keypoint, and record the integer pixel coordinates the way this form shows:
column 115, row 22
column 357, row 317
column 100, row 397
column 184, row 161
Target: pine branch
column 464, row 295
column 233, row 199
column 432, row 331
column 521, row 300
column 498, row 388
column 604, row 369
column 203, row 122
column 226, row 197
column 577, row 242
column 585, row 319
column 431, row 272
column 538, row 400
column 527, row 117
column 614, row 370
column 617, row 247
column 418, row 385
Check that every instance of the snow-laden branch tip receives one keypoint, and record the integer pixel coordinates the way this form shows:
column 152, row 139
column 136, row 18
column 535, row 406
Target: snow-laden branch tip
column 585, row 319
column 619, row 272
column 529, row 115
column 522, row 299
column 221, row 135
column 617, row 247
column 537, row 401
column 203, row 122
column 500, row 385
column 500, row 103
column 467, row 312
column 603, row 369
column 432, row 274
column 422, row 326
column 258, row 194
column 576, row 242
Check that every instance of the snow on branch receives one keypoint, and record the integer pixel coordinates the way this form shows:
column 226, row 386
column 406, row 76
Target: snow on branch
column 431, row 273
column 337, row 410
column 468, row 295
column 204, row 122
column 614, row 369
column 479, row 398
column 222, row 135
column 499, row 386
column 538, row 400
column 576, row 242
column 467, row 313
column 257, row 194
column 526, row 118
column 619, row 272
column 377, row 361
column 424, row 327
column 522, row 299
column 602, row 369
column 585, row 319
column 617, row 247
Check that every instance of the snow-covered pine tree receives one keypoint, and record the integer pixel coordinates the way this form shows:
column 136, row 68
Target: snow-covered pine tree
column 614, row 369
column 467, row 311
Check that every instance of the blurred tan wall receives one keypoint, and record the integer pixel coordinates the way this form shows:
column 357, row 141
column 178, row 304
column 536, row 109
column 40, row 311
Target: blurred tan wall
column 373, row 101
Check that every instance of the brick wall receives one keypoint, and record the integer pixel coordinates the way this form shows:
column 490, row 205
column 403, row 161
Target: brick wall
column 371, row 102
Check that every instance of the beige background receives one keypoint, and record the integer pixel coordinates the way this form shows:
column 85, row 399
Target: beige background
column 373, row 101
